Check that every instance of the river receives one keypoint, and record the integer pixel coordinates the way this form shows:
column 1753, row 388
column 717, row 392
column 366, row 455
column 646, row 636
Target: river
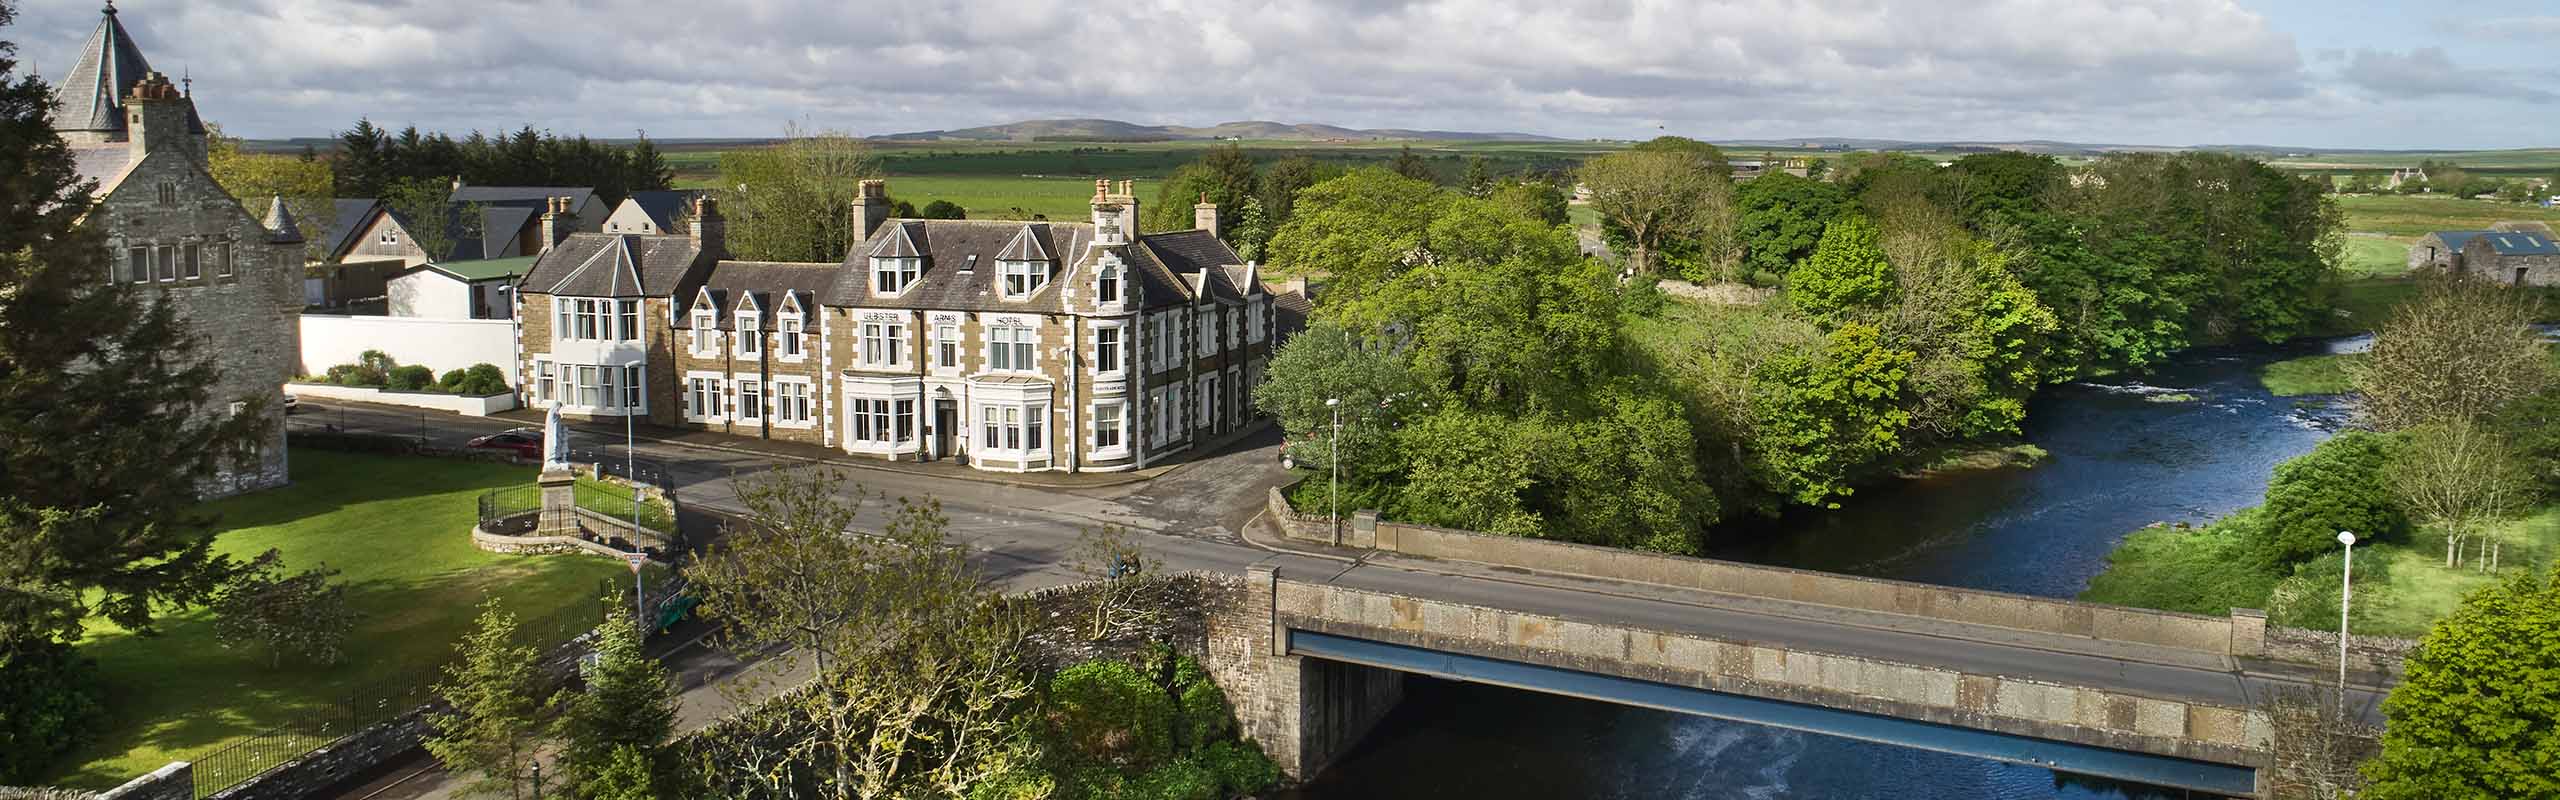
column 2191, row 441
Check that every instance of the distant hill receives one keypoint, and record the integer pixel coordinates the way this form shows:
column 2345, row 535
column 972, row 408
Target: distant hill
column 1107, row 130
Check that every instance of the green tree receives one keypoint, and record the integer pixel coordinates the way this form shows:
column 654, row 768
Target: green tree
column 98, row 498
column 1412, row 166
column 1364, row 229
column 1648, row 199
column 1847, row 271
column 628, row 708
column 306, row 185
column 2459, row 475
column 1281, row 182
column 1117, row 572
column 630, row 773
column 2474, row 715
column 1779, row 218
column 2341, row 485
column 301, row 615
column 794, row 201
column 435, row 224
column 1706, row 154
column 1821, row 418
column 2463, row 349
column 1478, row 182
column 1470, row 471
column 55, row 701
column 1534, row 199
column 944, row 209
column 1223, row 175
column 498, row 716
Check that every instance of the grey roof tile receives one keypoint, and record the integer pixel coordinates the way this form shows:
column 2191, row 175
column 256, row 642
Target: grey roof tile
column 347, row 220
column 605, row 265
column 91, row 96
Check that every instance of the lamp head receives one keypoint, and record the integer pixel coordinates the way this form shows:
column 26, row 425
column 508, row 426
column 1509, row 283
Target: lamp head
column 1330, row 402
column 2347, row 538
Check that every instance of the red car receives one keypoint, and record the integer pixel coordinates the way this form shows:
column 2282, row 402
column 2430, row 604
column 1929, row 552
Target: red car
column 524, row 442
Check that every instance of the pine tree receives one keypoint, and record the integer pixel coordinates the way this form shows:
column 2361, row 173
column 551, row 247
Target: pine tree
column 363, row 162
column 496, row 721
column 629, row 705
column 102, row 443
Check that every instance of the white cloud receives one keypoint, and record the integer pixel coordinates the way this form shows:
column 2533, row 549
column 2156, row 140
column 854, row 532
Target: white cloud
column 2166, row 71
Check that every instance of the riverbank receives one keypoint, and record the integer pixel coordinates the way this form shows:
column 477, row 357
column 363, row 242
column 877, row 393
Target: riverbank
column 2402, row 588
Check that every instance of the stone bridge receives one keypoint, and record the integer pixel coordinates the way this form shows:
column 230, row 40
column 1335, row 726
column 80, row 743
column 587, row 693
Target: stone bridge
column 1323, row 637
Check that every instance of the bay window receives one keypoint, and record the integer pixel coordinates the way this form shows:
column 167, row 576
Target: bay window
column 631, row 386
column 588, row 393
column 882, row 421
column 543, row 381
column 628, row 314
column 1015, row 428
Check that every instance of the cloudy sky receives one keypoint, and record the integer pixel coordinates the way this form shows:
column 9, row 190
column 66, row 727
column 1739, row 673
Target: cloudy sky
column 2313, row 73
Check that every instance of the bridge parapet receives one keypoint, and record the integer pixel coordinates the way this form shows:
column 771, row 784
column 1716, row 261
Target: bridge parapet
column 2242, row 634
column 2084, row 715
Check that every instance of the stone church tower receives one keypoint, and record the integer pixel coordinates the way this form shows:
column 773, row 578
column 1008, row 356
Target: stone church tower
column 172, row 231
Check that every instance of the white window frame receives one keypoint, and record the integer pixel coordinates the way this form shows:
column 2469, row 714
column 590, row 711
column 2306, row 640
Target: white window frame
column 792, row 326
column 1013, row 348
column 793, row 403
column 750, row 339
column 1110, row 350
column 891, row 277
column 703, row 389
column 1111, row 417
column 1034, row 276
column 881, row 343
column 626, row 320
column 544, row 387
column 1107, row 284
column 1023, row 425
column 635, row 378
column 706, row 333
column 946, row 346
column 750, row 399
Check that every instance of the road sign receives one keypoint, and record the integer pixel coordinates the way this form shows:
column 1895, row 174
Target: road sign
column 636, row 560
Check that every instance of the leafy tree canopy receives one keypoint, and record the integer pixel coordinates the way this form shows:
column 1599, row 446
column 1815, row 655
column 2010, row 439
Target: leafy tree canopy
column 2473, row 717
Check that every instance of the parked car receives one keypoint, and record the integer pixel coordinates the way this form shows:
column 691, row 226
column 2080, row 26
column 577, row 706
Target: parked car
column 292, row 404
column 525, row 442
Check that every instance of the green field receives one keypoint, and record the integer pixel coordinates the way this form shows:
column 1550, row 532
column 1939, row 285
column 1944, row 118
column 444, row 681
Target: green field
column 2309, row 375
column 2545, row 160
column 2374, row 257
column 399, row 529
column 2413, row 216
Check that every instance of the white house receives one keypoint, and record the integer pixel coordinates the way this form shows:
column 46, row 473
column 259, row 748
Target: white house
column 457, row 289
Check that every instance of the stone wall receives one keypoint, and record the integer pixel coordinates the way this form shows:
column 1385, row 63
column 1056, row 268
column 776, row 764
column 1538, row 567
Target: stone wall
column 177, row 781
column 2374, row 654
column 2188, row 632
column 1303, row 712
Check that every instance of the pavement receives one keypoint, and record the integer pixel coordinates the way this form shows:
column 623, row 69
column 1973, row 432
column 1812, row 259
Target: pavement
column 1205, row 515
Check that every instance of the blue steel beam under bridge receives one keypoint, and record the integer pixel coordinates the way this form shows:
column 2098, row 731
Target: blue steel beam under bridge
column 2180, row 773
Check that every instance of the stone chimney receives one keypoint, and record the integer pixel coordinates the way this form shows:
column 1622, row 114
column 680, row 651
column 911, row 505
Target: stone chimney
column 1205, row 215
column 557, row 222
column 710, row 232
column 871, row 213
column 156, row 118
column 1114, row 215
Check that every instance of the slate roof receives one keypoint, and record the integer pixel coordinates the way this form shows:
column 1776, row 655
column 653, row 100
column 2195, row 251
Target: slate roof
column 279, row 223
column 662, row 207
column 2519, row 244
column 2542, row 229
column 2454, row 240
column 768, row 282
column 1290, row 312
column 91, row 96
column 348, row 216
column 489, row 269
column 1183, row 254
column 500, row 229
column 609, row 265
column 105, row 164
column 960, row 271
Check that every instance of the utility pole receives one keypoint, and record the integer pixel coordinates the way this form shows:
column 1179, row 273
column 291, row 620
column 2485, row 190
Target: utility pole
column 1334, row 459
column 2346, row 592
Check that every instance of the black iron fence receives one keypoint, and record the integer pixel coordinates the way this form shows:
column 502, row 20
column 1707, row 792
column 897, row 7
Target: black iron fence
column 380, row 700
column 511, row 511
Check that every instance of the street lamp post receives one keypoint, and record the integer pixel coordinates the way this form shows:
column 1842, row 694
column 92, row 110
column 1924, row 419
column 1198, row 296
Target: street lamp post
column 2346, row 593
column 1334, row 459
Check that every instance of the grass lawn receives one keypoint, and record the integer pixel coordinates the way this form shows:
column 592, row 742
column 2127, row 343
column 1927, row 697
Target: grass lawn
column 614, row 500
column 2375, row 257
column 2421, row 590
column 2309, row 375
column 2417, row 215
column 2198, row 571
column 398, row 529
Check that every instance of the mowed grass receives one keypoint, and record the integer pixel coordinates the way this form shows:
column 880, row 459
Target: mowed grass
column 2374, row 257
column 398, row 529
column 2421, row 589
column 2417, row 215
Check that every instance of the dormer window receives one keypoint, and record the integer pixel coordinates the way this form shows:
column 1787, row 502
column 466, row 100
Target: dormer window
column 1023, row 278
column 750, row 334
column 1107, row 285
column 705, row 329
column 891, row 276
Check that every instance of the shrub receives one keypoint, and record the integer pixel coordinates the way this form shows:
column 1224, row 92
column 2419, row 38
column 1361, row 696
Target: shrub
column 2309, row 598
column 452, row 381
column 1107, row 712
column 1180, row 780
column 410, row 378
column 1241, row 767
column 2338, row 486
column 481, row 380
column 1019, row 784
column 2203, row 571
column 356, row 375
column 54, row 703
column 944, row 209
column 1205, row 717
